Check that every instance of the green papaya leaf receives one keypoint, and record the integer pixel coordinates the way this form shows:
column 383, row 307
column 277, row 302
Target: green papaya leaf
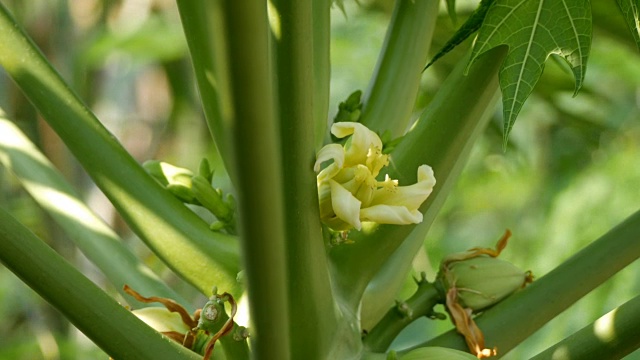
column 533, row 30
column 631, row 11
column 469, row 27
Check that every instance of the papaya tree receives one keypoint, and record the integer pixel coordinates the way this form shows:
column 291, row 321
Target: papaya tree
column 309, row 214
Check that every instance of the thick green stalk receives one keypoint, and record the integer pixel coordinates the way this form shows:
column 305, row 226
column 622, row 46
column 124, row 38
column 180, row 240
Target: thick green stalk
column 235, row 349
column 390, row 99
column 516, row 318
column 613, row 336
column 201, row 21
column 442, row 138
column 321, row 68
column 92, row 236
column 256, row 153
column 396, row 269
column 313, row 317
column 179, row 237
column 383, row 289
column 401, row 315
column 113, row 328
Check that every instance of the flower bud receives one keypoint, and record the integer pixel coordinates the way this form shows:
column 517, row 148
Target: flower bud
column 483, row 281
column 205, row 170
column 175, row 179
column 211, row 199
column 166, row 173
column 437, row 353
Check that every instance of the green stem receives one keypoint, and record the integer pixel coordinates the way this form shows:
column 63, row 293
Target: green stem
column 403, row 314
column 389, row 280
column 178, row 236
column 442, row 138
column 113, row 328
column 613, row 336
column 396, row 268
column 516, row 318
column 321, row 68
column 94, row 238
column 201, row 21
column 234, row 349
column 256, row 153
column 312, row 319
column 390, row 99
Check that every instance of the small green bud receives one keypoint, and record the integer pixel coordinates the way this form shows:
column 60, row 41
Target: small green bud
column 483, row 281
column 217, row 226
column 353, row 101
column 437, row 353
column 154, row 168
column 204, row 170
column 350, row 109
column 175, row 179
column 231, row 202
column 474, row 280
column 167, row 174
column 240, row 333
column 211, row 199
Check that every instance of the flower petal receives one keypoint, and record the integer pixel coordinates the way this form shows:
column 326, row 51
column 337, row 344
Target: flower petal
column 333, row 152
column 386, row 214
column 411, row 196
column 345, row 205
column 361, row 141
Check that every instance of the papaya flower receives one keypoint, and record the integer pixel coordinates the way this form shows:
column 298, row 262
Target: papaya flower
column 349, row 190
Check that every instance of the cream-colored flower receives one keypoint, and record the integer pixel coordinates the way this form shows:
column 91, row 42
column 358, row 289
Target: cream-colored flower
column 348, row 188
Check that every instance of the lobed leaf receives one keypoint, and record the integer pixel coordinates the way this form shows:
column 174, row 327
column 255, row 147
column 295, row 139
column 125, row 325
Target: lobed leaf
column 473, row 23
column 533, row 30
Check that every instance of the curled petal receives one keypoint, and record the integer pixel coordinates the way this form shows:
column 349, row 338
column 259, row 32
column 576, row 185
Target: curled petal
column 345, row 175
column 324, row 198
column 361, row 141
column 170, row 304
column 411, row 196
column 388, row 214
column 345, row 205
column 333, row 152
column 467, row 327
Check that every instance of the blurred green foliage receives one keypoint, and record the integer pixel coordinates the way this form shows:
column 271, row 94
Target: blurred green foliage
column 570, row 173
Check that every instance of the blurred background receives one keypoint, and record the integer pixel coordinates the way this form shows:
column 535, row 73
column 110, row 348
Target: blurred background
column 571, row 170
